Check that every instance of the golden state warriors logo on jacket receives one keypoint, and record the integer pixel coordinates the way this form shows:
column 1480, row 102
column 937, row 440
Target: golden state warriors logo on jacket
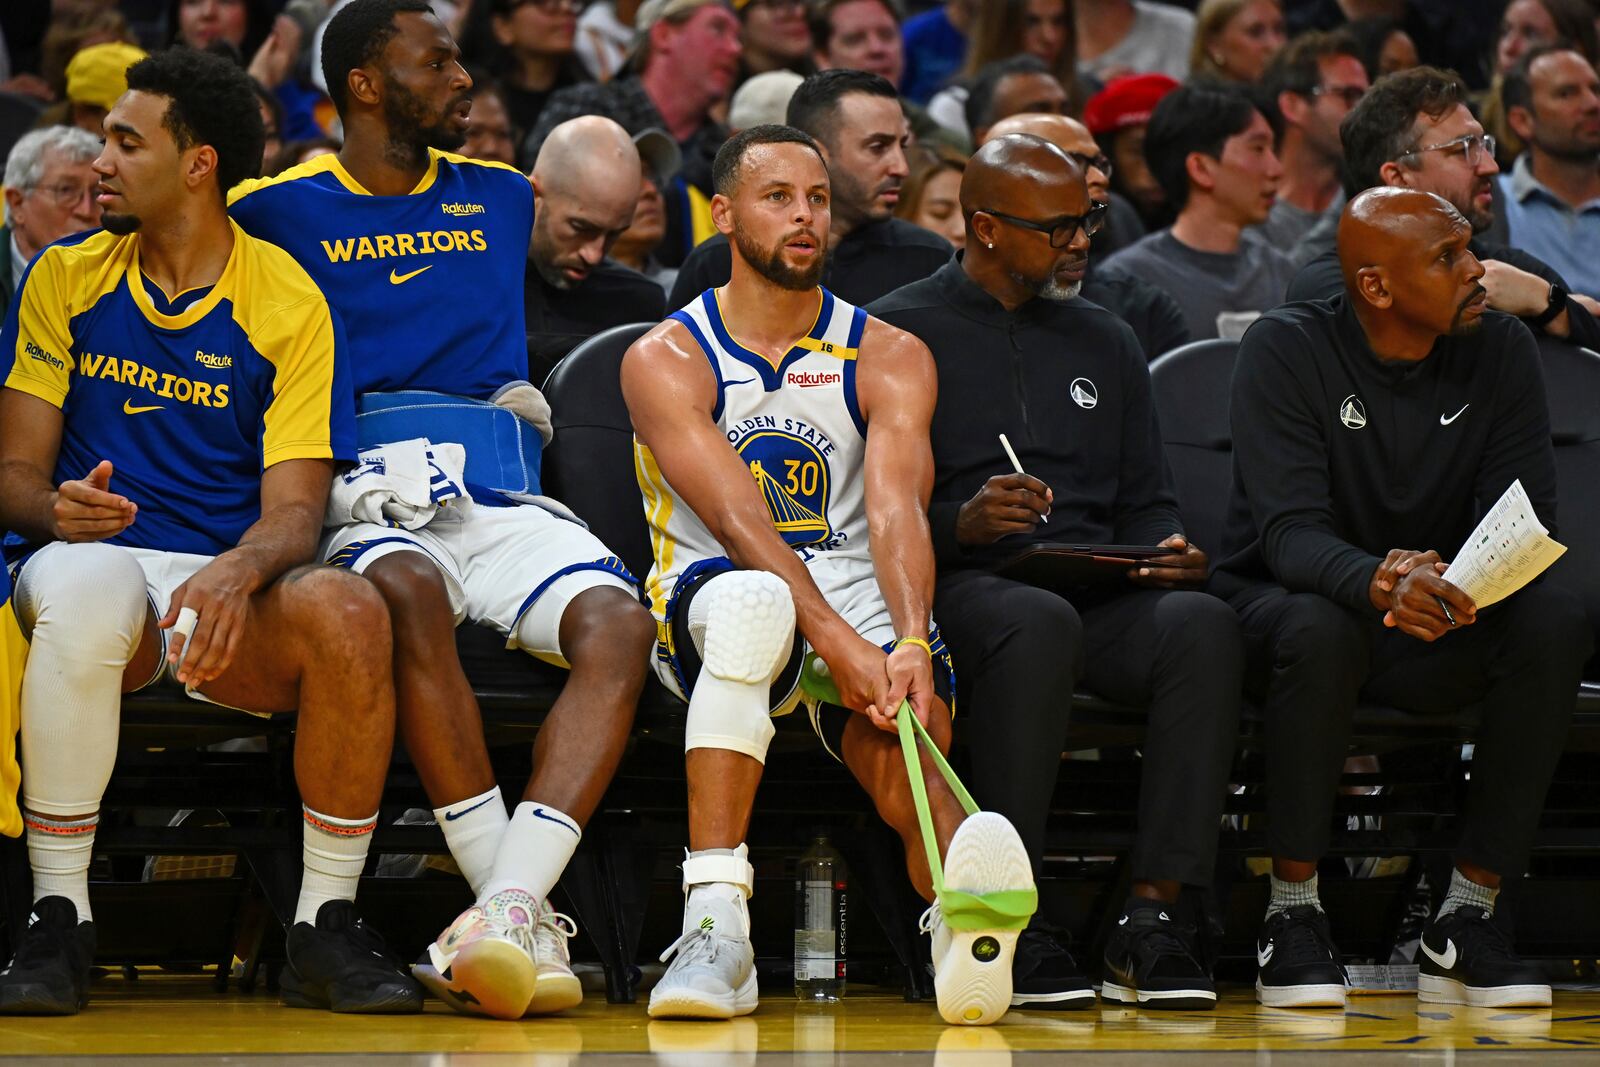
column 796, row 425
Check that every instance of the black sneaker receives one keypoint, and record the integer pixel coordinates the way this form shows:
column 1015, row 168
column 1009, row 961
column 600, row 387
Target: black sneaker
column 1044, row 976
column 1299, row 965
column 1151, row 962
column 49, row 975
column 340, row 964
column 1467, row 959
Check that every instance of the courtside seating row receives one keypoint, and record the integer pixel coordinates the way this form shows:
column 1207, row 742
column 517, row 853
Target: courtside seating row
column 169, row 758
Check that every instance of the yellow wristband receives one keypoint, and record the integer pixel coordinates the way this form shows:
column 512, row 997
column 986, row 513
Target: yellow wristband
column 919, row 642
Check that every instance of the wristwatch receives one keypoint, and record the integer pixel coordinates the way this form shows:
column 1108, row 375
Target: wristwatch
column 1558, row 304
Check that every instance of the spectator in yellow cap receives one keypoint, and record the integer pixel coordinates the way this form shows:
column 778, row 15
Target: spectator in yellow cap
column 96, row 76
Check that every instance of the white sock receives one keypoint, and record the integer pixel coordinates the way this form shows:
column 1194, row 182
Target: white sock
column 535, row 849
column 472, row 830
column 333, row 853
column 59, row 851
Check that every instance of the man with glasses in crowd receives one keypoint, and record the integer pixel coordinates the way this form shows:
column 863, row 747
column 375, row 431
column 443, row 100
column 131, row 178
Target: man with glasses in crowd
column 1413, row 130
column 1018, row 354
column 1308, row 90
column 49, row 186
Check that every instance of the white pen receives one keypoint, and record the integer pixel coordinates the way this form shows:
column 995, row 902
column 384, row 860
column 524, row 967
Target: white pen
column 1016, row 465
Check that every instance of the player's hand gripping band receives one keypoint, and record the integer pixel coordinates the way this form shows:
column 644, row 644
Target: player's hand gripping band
column 1005, row 910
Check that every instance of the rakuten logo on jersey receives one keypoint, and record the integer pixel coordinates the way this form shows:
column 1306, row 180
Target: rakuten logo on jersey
column 806, row 379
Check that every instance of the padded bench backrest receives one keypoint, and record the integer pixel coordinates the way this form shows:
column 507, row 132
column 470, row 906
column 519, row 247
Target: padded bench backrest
column 1190, row 385
column 589, row 464
column 1572, row 385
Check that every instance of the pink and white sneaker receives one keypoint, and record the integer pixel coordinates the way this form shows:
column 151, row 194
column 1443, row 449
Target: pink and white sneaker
column 483, row 963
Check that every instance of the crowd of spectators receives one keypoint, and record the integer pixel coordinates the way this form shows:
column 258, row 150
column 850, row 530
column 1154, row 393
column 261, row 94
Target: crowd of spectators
column 1225, row 190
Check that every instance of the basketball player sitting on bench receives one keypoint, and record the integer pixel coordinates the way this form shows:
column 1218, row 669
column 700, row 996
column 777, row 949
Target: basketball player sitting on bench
column 168, row 458
column 786, row 478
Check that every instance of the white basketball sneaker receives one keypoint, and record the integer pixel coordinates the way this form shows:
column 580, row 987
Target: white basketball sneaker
column 713, row 969
column 483, row 963
column 972, row 968
column 557, row 988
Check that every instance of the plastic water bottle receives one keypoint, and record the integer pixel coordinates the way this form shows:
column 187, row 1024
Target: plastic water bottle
column 819, row 923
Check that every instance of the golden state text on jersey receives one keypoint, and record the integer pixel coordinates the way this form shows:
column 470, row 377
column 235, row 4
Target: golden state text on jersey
column 429, row 285
column 189, row 398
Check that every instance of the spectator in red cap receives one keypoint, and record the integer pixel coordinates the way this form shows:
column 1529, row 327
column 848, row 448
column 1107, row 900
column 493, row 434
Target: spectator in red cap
column 1117, row 116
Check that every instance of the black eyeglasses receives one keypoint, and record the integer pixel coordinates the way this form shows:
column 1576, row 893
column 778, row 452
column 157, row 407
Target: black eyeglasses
column 1099, row 161
column 1062, row 229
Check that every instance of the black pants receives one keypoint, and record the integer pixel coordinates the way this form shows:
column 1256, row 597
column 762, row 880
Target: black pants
column 1522, row 660
column 1019, row 654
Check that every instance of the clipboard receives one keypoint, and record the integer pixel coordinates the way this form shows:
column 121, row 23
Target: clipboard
column 1062, row 566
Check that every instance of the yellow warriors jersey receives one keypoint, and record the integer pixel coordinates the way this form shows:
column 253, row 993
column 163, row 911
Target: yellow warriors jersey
column 189, row 398
column 797, row 427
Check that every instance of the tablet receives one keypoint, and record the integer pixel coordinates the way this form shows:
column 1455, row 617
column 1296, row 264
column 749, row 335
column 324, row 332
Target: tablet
column 1062, row 566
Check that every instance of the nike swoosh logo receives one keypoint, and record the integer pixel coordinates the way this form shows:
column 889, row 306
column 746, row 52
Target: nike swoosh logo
column 743, row 381
column 1122, row 921
column 1264, row 955
column 452, row 816
column 538, row 813
column 1445, row 959
column 396, row 278
column 129, row 409
column 1446, row 422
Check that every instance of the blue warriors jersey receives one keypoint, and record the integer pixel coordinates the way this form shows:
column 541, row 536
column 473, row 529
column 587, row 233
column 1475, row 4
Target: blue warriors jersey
column 189, row 400
column 429, row 285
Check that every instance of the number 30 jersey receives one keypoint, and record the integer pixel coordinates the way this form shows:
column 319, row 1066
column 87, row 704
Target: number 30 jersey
column 797, row 427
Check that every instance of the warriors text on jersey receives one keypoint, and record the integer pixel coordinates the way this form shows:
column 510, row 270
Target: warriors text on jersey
column 190, row 399
column 429, row 284
column 797, row 427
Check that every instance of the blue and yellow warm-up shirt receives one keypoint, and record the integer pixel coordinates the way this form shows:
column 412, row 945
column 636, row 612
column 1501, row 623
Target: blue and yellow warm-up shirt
column 429, row 284
column 190, row 399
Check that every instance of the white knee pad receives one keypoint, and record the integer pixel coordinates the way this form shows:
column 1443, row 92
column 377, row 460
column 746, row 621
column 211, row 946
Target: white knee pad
column 743, row 624
column 86, row 601
column 85, row 608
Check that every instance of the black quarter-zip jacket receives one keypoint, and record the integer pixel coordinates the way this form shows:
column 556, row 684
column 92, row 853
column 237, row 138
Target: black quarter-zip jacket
column 1340, row 457
column 1067, row 384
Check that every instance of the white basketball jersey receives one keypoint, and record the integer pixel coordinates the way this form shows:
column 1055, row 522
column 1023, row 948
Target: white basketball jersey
column 798, row 429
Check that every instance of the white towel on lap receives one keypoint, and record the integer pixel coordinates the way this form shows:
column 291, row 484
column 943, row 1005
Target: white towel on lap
column 403, row 484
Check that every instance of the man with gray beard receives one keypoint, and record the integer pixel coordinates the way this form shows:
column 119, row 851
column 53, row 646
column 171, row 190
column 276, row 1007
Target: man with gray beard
column 1067, row 383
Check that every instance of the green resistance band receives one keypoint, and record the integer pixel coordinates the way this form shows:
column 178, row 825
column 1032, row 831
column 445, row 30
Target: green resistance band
column 1004, row 910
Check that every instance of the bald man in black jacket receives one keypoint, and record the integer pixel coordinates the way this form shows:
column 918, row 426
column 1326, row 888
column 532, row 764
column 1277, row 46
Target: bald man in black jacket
column 1370, row 434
